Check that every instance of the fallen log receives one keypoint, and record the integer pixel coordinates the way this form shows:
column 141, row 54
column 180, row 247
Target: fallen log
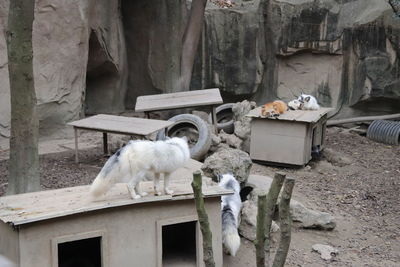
column 361, row 119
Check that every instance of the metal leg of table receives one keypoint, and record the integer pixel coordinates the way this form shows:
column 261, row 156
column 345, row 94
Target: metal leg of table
column 76, row 145
column 214, row 119
column 105, row 143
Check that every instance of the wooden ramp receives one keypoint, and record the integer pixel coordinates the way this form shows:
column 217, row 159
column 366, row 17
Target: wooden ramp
column 37, row 206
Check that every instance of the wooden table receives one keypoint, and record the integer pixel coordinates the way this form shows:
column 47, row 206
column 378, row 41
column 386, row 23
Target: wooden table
column 117, row 125
column 196, row 98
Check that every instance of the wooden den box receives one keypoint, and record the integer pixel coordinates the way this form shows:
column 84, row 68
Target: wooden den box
column 63, row 228
column 289, row 138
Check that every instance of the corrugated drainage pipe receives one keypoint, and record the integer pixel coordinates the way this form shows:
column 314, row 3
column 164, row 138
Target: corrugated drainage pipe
column 383, row 131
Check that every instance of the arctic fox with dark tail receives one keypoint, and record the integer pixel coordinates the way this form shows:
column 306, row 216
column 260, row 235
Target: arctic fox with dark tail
column 136, row 160
column 230, row 206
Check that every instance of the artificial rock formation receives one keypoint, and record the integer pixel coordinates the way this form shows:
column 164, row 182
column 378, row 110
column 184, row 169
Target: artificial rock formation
column 228, row 160
column 307, row 218
column 79, row 61
column 343, row 52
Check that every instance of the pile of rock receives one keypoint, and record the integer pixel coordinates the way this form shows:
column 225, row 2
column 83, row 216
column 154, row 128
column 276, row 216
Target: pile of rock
column 240, row 138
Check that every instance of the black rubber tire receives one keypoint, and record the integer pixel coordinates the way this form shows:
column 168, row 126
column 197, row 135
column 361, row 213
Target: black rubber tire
column 224, row 118
column 188, row 122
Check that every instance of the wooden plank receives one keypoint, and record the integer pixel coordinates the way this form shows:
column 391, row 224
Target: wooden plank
column 120, row 124
column 22, row 210
column 294, row 115
column 195, row 98
column 268, row 145
column 43, row 205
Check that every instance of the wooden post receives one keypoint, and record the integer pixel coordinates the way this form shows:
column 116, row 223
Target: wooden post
column 76, row 145
column 105, row 143
column 272, row 197
column 260, row 234
column 208, row 255
column 285, row 223
column 214, row 119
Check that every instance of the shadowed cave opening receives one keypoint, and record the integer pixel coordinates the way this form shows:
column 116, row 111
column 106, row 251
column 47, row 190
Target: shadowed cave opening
column 101, row 78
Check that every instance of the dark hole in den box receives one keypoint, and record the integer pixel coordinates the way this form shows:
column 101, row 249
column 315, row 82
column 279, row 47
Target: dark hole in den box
column 80, row 253
column 179, row 244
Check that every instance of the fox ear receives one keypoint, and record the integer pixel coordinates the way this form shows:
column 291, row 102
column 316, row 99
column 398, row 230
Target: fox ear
column 307, row 99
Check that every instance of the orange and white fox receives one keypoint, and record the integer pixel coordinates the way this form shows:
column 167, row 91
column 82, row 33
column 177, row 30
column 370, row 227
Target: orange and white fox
column 275, row 108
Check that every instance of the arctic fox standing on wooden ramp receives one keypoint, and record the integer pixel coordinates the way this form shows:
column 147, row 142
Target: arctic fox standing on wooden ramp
column 131, row 163
column 230, row 206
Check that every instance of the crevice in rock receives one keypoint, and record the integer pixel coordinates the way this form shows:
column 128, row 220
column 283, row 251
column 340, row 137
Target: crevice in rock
column 101, row 78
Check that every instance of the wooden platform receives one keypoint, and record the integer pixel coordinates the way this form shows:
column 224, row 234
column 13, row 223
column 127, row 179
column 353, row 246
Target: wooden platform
column 117, row 125
column 120, row 124
column 294, row 115
column 197, row 98
column 38, row 206
column 187, row 99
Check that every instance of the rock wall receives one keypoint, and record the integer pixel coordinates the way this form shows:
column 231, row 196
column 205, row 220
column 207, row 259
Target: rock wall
column 154, row 31
column 343, row 52
column 98, row 56
column 61, row 47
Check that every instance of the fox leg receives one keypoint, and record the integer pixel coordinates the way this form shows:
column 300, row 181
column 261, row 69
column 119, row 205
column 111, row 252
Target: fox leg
column 140, row 191
column 134, row 186
column 132, row 189
column 140, row 177
column 157, row 188
column 166, row 184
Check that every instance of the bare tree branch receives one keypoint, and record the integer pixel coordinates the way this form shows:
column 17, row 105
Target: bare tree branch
column 208, row 256
column 285, row 223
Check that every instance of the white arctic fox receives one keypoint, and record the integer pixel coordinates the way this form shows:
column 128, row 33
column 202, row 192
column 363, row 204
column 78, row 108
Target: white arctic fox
column 132, row 162
column 230, row 206
column 308, row 102
column 294, row 104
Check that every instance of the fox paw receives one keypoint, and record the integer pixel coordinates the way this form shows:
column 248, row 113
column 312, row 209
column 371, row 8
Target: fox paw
column 136, row 197
column 143, row 194
column 159, row 193
column 169, row 191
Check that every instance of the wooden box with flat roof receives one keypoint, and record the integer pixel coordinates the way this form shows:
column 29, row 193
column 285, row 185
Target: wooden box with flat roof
column 64, row 228
column 289, row 138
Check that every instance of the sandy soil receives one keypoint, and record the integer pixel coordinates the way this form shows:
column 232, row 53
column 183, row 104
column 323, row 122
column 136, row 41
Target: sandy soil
column 363, row 196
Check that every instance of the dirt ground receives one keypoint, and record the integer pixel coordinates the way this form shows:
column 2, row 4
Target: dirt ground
column 362, row 195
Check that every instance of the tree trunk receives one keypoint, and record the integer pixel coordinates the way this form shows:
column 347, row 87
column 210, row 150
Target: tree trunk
column 285, row 224
column 190, row 43
column 208, row 256
column 24, row 158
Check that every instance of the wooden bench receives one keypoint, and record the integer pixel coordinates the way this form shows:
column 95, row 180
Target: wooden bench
column 117, row 125
column 207, row 97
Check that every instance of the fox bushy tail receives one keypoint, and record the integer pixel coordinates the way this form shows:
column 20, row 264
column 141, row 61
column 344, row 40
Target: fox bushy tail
column 230, row 235
column 106, row 178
